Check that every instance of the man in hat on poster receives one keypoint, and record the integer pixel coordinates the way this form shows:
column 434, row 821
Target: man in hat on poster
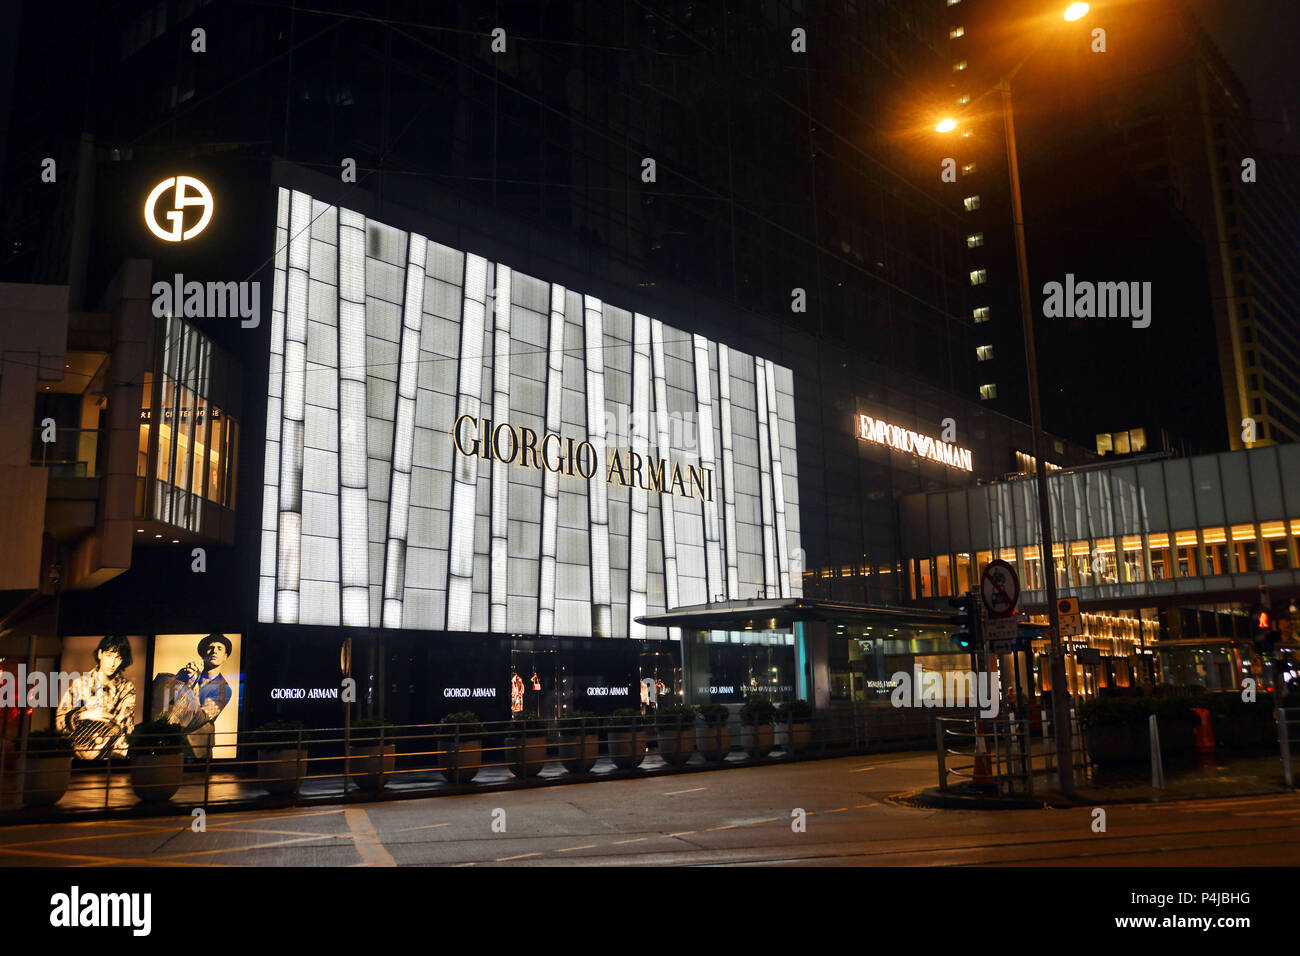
column 195, row 695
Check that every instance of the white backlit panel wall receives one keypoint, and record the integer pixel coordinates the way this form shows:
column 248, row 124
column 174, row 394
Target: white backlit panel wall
column 381, row 339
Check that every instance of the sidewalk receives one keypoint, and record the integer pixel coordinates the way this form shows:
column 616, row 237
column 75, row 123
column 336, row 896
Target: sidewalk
column 1215, row 778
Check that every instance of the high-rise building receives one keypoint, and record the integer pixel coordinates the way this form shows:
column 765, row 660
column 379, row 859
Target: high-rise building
column 1152, row 136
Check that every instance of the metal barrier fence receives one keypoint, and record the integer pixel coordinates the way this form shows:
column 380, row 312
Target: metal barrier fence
column 1004, row 753
column 320, row 764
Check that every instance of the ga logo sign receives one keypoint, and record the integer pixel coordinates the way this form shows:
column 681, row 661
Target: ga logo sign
column 186, row 191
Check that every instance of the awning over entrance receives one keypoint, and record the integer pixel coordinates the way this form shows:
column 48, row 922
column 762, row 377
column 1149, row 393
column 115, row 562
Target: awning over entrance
column 758, row 614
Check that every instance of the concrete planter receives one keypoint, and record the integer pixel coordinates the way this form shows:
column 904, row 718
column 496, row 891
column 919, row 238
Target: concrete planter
column 580, row 752
column 529, row 754
column 676, row 745
column 797, row 738
column 758, row 741
column 626, row 747
column 280, row 769
column 372, row 763
column 46, row 779
column 157, row 777
column 713, row 741
column 462, row 761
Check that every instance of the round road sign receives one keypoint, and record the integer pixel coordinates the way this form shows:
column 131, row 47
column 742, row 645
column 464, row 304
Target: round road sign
column 1000, row 589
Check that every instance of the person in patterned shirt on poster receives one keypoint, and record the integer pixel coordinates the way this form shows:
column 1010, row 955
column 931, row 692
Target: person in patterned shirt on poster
column 98, row 709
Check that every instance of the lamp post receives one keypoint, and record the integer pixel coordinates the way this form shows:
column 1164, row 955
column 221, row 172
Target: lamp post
column 1060, row 708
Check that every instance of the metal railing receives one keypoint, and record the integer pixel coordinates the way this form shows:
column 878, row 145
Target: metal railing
column 328, row 763
column 1002, row 754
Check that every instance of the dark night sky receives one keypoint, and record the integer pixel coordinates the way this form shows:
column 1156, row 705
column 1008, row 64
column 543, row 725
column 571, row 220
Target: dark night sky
column 1261, row 39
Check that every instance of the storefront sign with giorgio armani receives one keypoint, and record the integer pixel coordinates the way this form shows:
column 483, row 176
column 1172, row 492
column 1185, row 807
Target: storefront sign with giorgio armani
column 454, row 446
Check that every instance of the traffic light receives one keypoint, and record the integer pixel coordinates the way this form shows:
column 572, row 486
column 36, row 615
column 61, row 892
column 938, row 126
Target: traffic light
column 1266, row 634
column 967, row 620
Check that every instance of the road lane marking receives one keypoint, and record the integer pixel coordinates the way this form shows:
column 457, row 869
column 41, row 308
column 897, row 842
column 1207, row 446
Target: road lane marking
column 683, row 833
column 764, row 820
column 729, row 826
column 570, row 849
column 621, row 842
column 837, row 810
column 674, row 793
column 873, row 804
column 863, row 769
column 366, row 838
column 431, row 826
column 521, row 856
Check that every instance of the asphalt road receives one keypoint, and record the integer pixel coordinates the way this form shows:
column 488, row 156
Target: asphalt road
column 741, row 816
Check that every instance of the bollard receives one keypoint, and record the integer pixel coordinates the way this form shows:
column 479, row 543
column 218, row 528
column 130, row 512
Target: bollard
column 1157, row 766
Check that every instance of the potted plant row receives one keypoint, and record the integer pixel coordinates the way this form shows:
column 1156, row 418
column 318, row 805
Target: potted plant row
column 756, row 718
column 157, row 760
column 372, row 755
column 281, row 756
column 462, row 743
column 47, row 768
column 1115, row 728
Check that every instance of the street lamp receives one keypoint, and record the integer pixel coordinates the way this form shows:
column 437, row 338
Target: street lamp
column 1060, row 709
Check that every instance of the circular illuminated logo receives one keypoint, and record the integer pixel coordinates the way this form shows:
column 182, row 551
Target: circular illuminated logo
column 186, row 191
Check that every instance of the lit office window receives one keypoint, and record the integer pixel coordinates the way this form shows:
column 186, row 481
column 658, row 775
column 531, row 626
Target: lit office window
column 1185, row 545
column 1161, row 567
column 1105, row 444
column 983, row 352
column 956, row 32
column 1137, row 439
column 971, row 203
column 978, row 276
column 1276, row 555
column 975, row 240
column 959, row 66
column 967, row 169
column 981, row 314
column 988, row 391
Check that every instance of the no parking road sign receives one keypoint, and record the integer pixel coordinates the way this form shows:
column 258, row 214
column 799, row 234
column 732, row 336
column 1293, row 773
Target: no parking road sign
column 999, row 589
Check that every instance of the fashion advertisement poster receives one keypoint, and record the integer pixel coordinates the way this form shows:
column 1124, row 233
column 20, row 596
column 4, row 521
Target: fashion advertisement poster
column 103, row 698
column 196, row 684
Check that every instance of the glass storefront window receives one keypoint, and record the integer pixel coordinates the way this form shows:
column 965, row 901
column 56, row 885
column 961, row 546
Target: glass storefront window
column 1081, row 562
column 1161, row 562
column 1245, row 545
column 1031, row 578
column 1103, row 556
column 146, row 409
column 944, row 588
column 1062, row 566
column 1185, row 546
column 1216, row 551
column 1134, row 563
column 963, row 573
column 982, row 559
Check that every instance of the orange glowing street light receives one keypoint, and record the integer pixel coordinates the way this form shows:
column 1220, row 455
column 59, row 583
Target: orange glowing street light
column 1076, row 11
column 946, row 126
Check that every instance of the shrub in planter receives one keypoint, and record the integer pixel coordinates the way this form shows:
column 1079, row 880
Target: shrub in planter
column 714, row 739
column 580, row 747
column 373, row 757
column 157, row 760
column 47, row 769
column 1115, row 728
column 797, row 717
column 1241, row 725
column 676, row 723
column 464, row 745
column 529, row 743
column 756, row 718
column 625, row 738
column 280, row 761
